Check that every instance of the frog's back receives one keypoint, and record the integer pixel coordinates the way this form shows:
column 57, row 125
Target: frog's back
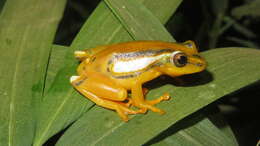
column 139, row 46
column 130, row 60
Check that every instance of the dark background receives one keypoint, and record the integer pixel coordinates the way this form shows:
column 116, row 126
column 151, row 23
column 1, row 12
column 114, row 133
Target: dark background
column 211, row 24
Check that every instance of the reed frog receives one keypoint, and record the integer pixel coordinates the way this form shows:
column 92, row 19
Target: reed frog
column 107, row 73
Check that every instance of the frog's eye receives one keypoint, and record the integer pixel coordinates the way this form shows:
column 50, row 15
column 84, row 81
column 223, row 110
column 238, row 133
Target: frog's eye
column 179, row 59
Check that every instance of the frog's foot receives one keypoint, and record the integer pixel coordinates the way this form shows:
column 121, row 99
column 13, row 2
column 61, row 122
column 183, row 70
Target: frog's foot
column 144, row 106
column 149, row 104
column 123, row 112
column 164, row 97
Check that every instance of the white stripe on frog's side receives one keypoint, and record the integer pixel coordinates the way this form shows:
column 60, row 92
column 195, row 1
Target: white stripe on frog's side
column 125, row 66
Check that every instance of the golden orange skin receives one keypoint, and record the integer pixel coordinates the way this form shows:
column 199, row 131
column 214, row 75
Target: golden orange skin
column 99, row 84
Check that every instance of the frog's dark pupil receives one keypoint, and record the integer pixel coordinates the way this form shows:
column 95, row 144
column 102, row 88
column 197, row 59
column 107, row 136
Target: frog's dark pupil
column 182, row 60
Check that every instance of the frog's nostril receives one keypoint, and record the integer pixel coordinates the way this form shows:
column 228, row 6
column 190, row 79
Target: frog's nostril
column 199, row 64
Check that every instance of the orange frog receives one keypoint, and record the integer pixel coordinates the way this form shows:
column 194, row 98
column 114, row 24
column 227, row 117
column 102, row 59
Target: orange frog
column 106, row 73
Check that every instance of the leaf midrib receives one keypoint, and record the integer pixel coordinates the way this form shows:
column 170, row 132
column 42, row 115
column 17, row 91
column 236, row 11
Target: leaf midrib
column 106, row 134
column 13, row 89
column 45, row 131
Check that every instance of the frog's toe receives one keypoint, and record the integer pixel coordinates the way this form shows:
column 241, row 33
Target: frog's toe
column 148, row 106
column 124, row 111
column 142, row 110
column 164, row 97
column 157, row 110
column 79, row 54
column 122, row 115
column 73, row 78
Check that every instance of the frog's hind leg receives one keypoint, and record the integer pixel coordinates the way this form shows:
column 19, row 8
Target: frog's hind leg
column 103, row 94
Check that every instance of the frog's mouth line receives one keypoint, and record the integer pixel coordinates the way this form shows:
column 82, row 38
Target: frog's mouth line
column 196, row 64
column 197, row 56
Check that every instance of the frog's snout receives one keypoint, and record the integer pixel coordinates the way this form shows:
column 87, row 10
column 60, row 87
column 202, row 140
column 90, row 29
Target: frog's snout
column 198, row 62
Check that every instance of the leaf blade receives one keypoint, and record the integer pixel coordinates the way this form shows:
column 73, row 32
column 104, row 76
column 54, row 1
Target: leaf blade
column 199, row 129
column 135, row 23
column 23, row 64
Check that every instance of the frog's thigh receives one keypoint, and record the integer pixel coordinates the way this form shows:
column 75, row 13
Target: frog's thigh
column 94, row 89
column 102, row 87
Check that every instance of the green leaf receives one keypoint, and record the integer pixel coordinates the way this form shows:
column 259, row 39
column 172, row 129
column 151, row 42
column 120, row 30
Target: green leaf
column 229, row 69
column 219, row 121
column 251, row 9
column 197, row 129
column 135, row 23
column 27, row 29
column 240, row 28
column 243, row 42
column 56, row 60
column 62, row 104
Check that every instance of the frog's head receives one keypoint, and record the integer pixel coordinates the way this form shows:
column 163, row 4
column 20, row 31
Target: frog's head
column 184, row 60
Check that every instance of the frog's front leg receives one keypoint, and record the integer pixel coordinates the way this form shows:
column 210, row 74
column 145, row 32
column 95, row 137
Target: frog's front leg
column 139, row 101
column 104, row 93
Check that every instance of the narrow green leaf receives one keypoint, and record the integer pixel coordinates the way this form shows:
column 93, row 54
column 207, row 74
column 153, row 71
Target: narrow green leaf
column 219, row 121
column 62, row 104
column 55, row 64
column 240, row 28
column 202, row 134
column 163, row 10
column 251, row 8
column 27, row 29
column 243, row 42
column 135, row 23
column 196, row 130
column 229, row 70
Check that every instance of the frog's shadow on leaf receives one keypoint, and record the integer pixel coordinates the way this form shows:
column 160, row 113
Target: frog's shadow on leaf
column 182, row 81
